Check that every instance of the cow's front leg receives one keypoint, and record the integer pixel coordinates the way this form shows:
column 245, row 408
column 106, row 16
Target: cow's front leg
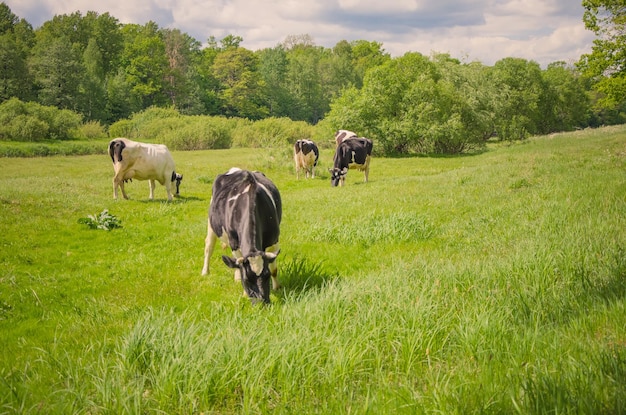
column 273, row 266
column 152, row 186
column 209, row 246
column 274, row 273
column 168, row 189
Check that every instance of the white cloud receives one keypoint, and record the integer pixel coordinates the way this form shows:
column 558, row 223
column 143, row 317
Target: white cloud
column 379, row 7
column 484, row 30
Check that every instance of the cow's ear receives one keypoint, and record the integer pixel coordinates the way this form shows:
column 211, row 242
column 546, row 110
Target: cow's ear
column 230, row 262
column 271, row 256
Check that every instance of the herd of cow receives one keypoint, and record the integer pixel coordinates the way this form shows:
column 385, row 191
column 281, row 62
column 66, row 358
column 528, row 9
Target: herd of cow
column 246, row 208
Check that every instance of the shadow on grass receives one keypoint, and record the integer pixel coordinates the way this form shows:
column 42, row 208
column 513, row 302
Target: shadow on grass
column 298, row 276
column 176, row 201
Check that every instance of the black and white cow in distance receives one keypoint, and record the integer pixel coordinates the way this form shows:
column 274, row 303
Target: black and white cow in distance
column 142, row 161
column 354, row 153
column 342, row 135
column 245, row 213
column 305, row 155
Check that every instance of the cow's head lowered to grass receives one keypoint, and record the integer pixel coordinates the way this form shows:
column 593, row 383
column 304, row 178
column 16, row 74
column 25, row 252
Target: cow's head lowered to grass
column 245, row 214
column 255, row 272
column 352, row 153
column 177, row 177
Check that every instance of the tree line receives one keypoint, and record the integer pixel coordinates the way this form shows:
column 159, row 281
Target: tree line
column 107, row 71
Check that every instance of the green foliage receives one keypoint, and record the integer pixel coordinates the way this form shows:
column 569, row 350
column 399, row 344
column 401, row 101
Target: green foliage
column 122, row 128
column 271, row 132
column 91, row 130
column 145, row 64
column 242, row 87
column 605, row 65
column 566, row 102
column 29, row 121
column 104, row 221
column 200, row 133
column 520, row 91
column 186, row 132
column 410, row 105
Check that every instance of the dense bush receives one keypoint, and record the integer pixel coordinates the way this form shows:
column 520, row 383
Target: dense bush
column 91, row 130
column 122, row 128
column 29, row 121
column 271, row 132
column 201, row 132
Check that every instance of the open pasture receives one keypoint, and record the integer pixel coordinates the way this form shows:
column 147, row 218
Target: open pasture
column 490, row 283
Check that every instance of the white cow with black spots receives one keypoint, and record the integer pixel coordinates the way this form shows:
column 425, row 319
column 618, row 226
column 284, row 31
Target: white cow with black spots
column 142, row 161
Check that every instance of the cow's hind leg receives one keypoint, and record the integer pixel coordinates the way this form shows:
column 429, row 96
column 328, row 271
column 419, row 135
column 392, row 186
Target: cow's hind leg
column 121, row 182
column 209, row 246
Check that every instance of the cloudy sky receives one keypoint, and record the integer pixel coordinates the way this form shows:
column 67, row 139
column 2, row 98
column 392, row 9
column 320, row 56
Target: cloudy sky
column 471, row 30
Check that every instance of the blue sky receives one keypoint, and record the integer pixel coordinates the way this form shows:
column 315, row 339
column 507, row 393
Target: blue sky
column 471, row 30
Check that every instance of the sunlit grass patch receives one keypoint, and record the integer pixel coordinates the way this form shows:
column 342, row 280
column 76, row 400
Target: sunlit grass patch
column 370, row 229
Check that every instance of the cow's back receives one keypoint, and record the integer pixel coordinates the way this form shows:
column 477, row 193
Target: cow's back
column 268, row 196
column 242, row 192
column 354, row 150
column 342, row 135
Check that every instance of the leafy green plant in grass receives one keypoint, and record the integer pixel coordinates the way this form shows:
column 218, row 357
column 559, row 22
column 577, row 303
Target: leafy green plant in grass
column 104, row 221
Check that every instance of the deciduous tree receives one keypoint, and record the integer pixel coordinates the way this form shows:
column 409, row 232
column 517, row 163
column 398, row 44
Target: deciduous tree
column 606, row 64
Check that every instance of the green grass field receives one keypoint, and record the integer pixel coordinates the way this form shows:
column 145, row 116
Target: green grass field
column 490, row 283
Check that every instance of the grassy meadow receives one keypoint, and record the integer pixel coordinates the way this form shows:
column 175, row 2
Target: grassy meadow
column 487, row 283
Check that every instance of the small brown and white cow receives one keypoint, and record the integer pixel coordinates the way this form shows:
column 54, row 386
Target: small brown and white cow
column 305, row 155
column 142, row 161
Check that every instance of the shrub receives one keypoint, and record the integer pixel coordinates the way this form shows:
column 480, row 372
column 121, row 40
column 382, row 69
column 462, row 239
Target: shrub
column 91, row 130
column 271, row 132
column 29, row 121
column 64, row 124
column 123, row 128
column 26, row 128
column 201, row 133
column 157, row 129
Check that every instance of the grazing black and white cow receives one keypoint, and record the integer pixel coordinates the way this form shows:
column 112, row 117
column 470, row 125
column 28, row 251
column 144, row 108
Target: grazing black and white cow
column 245, row 214
column 354, row 153
column 305, row 154
column 342, row 135
column 142, row 161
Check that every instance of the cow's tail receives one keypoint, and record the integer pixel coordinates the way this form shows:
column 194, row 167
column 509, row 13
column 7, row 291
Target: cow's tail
column 115, row 150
